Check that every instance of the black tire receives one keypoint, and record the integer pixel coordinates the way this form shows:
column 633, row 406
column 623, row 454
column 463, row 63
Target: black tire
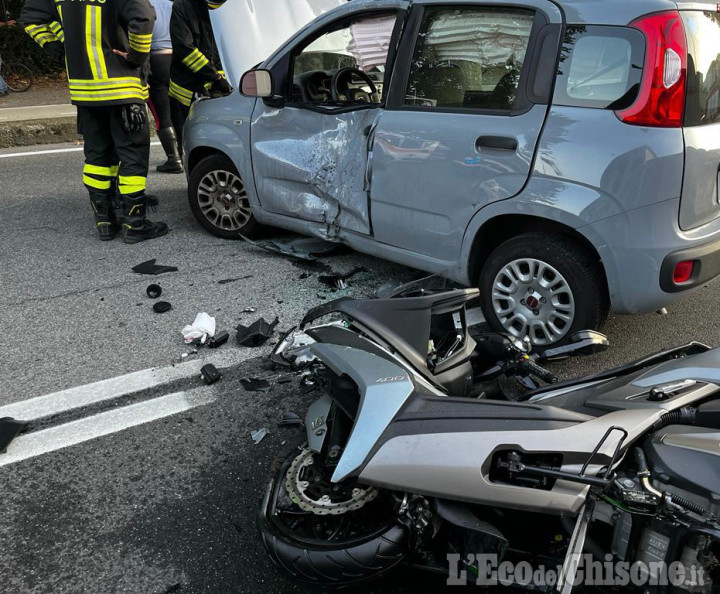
column 230, row 219
column 326, row 565
column 18, row 77
column 581, row 273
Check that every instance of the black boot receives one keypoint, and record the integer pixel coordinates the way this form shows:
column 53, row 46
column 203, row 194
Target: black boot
column 105, row 218
column 169, row 143
column 136, row 227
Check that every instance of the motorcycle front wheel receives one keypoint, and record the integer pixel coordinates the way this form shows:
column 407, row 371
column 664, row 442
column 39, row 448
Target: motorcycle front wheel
column 326, row 534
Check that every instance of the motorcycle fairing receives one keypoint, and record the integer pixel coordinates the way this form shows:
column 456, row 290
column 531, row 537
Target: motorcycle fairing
column 456, row 465
column 384, row 388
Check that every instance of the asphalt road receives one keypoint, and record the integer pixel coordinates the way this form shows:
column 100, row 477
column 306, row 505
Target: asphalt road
column 166, row 505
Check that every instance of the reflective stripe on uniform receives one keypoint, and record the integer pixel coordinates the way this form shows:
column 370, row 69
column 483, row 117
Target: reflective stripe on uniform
column 93, row 41
column 180, row 94
column 195, row 60
column 57, row 29
column 96, row 183
column 140, row 42
column 107, row 90
column 131, row 184
column 109, row 95
column 98, row 170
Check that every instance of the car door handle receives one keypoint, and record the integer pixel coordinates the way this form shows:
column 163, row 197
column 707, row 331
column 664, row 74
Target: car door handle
column 497, row 143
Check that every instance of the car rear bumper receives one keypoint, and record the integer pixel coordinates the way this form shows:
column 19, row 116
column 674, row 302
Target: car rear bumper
column 640, row 249
column 706, row 266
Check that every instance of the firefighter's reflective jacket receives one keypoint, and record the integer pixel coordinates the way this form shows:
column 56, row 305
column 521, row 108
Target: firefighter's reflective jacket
column 90, row 30
column 195, row 60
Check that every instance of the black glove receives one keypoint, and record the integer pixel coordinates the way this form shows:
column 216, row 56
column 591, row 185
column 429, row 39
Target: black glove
column 56, row 50
column 222, row 86
column 134, row 118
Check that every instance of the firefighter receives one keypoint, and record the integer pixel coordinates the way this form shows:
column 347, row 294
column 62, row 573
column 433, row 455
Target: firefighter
column 196, row 61
column 105, row 44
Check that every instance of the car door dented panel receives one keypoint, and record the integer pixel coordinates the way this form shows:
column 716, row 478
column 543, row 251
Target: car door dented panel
column 313, row 165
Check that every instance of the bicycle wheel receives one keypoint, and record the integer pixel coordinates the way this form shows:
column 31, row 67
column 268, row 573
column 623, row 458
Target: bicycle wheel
column 18, row 77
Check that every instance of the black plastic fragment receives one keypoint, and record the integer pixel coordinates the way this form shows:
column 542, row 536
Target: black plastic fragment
column 255, row 384
column 256, row 334
column 9, row 430
column 286, row 379
column 162, row 307
column 308, row 384
column 340, row 281
column 210, row 374
column 290, row 419
column 150, row 267
column 218, row 340
column 154, row 291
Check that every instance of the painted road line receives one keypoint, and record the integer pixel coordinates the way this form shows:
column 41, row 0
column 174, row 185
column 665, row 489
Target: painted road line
column 102, row 424
column 74, row 398
column 75, row 149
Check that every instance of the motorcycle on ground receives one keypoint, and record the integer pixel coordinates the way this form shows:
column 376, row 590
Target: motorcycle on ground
column 410, row 458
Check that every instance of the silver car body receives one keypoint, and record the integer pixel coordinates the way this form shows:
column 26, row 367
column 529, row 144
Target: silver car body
column 414, row 187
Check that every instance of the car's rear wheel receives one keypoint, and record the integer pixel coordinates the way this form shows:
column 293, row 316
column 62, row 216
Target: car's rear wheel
column 219, row 200
column 545, row 287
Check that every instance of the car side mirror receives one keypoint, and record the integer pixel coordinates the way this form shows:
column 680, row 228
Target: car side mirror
column 257, row 83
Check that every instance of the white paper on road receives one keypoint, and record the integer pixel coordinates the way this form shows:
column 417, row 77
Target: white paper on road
column 202, row 327
column 247, row 32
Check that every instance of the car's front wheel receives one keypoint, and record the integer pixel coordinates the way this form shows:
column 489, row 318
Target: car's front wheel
column 219, row 200
column 545, row 287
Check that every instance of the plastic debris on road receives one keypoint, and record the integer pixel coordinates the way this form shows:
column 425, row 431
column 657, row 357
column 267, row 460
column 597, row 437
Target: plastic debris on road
column 338, row 280
column 255, row 384
column 202, row 328
column 210, row 374
column 154, row 291
column 256, row 334
column 259, row 435
column 293, row 350
column 150, row 267
column 9, row 430
column 290, row 419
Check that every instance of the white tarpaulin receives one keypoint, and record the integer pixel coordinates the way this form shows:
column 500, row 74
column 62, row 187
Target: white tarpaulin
column 249, row 31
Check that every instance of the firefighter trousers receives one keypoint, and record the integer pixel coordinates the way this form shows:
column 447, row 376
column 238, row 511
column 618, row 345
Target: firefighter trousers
column 114, row 160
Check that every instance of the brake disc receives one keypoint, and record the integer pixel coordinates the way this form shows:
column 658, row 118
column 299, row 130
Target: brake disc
column 312, row 492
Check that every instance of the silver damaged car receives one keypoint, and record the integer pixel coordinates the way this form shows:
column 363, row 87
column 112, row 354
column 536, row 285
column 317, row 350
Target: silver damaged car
column 563, row 157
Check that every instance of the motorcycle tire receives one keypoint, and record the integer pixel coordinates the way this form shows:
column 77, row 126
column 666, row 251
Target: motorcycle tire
column 323, row 564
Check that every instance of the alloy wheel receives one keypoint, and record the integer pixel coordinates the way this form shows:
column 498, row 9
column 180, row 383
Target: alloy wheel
column 223, row 200
column 531, row 298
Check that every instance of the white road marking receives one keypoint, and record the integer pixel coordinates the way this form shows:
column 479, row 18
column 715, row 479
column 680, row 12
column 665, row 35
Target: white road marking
column 73, row 398
column 107, row 423
column 74, row 149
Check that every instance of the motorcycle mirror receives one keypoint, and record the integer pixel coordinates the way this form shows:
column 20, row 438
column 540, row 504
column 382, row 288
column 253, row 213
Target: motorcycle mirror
column 582, row 343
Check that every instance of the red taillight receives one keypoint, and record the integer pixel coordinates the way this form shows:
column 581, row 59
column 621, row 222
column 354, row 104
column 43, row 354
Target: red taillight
column 683, row 271
column 661, row 100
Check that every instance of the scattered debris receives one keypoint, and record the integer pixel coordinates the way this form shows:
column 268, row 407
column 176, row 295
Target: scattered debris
column 249, row 310
column 162, row 307
column 255, row 384
column 340, row 281
column 202, row 328
column 285, row 379
column 218, row 340
column 304, row 275
column 308, row 384
column 293, row 350
column 227, row 281
column 154, row 291
column 9, row 430
column 662, row 312
column 256, row 334
column 322, row 296
column 301, row 248
column 150, row 267
column 259, row 435
column 193, row 352
column 210, row 374
column 290, row 419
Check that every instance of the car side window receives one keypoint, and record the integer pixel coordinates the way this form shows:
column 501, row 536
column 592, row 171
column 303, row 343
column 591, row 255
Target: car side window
column 600, row 67
column 469, row 58
column 344, row 65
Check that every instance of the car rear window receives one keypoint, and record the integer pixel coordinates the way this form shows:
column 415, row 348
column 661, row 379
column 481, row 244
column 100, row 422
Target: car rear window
column 703, row 95
column 600, row 67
